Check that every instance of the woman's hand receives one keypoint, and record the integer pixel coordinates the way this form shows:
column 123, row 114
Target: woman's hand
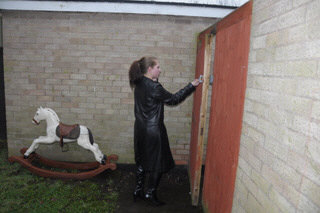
column 195, row 82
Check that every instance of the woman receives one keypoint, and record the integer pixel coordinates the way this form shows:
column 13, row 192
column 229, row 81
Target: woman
column 151, row 144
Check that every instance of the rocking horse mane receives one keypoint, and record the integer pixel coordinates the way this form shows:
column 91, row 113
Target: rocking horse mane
column 53, row 113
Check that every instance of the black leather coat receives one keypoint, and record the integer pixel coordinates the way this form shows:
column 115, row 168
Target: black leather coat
column 151, row 144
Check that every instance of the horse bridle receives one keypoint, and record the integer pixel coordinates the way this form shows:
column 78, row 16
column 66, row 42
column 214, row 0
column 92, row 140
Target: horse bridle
column 36, row 122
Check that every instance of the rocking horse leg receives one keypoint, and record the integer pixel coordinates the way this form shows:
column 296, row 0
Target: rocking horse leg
column 31, row 149
column 104, row 157
column 35, row 144
column 85, row 143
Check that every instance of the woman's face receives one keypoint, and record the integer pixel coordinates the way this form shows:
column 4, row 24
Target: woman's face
column 155, row 71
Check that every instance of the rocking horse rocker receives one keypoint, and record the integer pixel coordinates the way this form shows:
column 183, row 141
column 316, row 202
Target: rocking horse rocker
column 57, row 131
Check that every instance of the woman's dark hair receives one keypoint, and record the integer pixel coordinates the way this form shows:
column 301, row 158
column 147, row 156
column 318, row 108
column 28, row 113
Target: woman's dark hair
column 139, row 68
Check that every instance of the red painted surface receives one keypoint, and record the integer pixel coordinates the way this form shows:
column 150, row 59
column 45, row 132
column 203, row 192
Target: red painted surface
column 227, row 102
column 194, row 167
column 94, row 167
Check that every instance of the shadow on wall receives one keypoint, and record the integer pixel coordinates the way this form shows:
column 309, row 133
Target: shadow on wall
column 3, row 127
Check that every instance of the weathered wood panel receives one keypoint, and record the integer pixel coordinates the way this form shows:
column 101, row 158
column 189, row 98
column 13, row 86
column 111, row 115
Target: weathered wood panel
column 199, row 113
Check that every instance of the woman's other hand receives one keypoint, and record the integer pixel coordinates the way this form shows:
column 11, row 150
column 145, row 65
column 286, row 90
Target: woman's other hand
column 195, row 82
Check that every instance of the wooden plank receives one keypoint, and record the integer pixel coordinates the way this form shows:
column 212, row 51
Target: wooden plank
column 61, row 175
column 227, row 103
column 93, row 167
column 199, row 115
column 197, row 98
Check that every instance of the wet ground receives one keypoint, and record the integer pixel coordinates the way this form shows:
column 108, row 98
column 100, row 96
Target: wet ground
column 173, row 189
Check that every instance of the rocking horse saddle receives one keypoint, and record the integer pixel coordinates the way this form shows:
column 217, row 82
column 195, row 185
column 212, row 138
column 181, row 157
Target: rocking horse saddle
column 67, row 131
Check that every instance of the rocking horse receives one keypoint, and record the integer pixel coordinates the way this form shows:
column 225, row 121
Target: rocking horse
column 57, row 131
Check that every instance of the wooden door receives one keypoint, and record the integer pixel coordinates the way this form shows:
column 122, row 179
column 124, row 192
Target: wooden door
column 227, row 103
column 199, row 113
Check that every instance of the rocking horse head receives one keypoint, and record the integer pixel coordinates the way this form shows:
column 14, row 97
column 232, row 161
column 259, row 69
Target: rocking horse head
column 43, row 114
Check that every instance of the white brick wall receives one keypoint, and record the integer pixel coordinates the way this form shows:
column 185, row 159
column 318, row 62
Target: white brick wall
column 279, row 166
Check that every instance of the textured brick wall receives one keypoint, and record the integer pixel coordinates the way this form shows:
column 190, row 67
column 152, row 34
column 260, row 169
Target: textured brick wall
column 279, row 163
column 77, row 64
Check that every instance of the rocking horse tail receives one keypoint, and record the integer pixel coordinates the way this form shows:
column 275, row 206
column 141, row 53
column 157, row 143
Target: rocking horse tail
column 90, row 136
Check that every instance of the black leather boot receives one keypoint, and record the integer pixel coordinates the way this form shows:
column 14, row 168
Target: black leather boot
column 152, row 198
column 151, row 195
column 139, row 191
